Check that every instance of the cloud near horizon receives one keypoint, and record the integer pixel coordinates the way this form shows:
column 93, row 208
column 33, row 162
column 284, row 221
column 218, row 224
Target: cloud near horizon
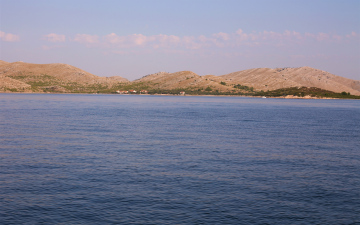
column 86, row 39
column 54, row 37
column 9, row 37
column 219, row 40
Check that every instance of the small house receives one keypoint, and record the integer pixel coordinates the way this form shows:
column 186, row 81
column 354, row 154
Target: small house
column 143, row 92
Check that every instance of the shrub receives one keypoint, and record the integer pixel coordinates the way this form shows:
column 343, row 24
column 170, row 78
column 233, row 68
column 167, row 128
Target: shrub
column 208, row 89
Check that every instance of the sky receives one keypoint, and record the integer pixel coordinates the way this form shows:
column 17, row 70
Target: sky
column 134, row 38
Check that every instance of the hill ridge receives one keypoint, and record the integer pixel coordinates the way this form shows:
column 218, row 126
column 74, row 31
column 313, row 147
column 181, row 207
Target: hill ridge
column 59, row 77
column 271, row 79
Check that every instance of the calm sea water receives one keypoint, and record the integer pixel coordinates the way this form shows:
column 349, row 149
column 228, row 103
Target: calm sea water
column 114, row 159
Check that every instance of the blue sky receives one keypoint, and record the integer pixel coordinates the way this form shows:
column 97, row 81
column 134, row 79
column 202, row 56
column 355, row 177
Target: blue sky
column 138, row 37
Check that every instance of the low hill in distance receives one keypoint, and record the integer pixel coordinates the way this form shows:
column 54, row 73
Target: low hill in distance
column 253, row 80
column 271, row 79
column 63, row 78
column 56, row 77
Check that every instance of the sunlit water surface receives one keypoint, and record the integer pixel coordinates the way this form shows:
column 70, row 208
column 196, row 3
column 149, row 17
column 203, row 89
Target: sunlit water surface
column 114, row 159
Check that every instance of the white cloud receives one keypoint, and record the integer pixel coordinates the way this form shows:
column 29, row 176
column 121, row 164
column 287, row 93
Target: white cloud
column 128, row 41
column 113, row 39
column 86, row 39
column 222, row 36
column 353, row 35
column 54, row 37
column 322, row 36
column 9, row 37
column 292, row 35
column 337, row 37
column 239, row 31
column 310, row 35
column 164, row 41
column 241, row 36
column 218, row 40
column 191, row 42
column 140, row 40
column 271, row 35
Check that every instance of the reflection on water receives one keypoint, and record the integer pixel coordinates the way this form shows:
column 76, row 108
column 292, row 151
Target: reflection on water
column 103, row 159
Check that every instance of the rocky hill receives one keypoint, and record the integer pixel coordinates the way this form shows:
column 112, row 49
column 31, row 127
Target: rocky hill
column 27, row 77
column 271, row 79
column 54, row 77
column 261, row 79
column 182, row 80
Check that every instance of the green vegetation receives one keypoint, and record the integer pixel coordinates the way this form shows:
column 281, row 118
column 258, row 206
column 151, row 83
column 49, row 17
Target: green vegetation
column 47, row 83
column 38, row 82
column 11, row 89
column 51, row 84
column 304, row 91
column 243, row 87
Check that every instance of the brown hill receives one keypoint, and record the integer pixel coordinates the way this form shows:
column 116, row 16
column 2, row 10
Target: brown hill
column 62, row 77
column 57, row 77
column 9, row 83
column 260, row 79
column 3, row 63
column 183, row 80
column 271, row 79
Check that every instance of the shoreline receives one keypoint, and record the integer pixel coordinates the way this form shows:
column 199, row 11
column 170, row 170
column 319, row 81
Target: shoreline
column 187, row 95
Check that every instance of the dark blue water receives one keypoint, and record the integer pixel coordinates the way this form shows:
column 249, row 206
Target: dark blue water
column 112, row 159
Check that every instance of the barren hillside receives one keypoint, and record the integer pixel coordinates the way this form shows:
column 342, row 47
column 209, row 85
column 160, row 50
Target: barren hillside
column 271, row 79
column 3, row 63
column 56, row 76
column 260, row 79
column 185, row 80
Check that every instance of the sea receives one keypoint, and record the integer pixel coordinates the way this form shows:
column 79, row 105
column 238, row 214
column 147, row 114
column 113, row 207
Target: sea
column 144, row 159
